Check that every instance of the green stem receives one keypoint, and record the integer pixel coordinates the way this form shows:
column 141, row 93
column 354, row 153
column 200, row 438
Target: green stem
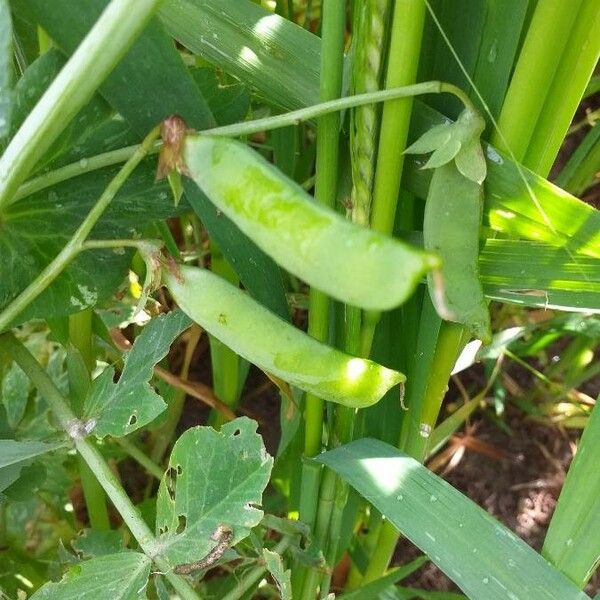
column 121, row 155
column 132, row 450
column 547, row 36
column 80, row 336
column 94, row 459
column 253, row 576
column 76, row 243
column 575, row 68
column 108, row 40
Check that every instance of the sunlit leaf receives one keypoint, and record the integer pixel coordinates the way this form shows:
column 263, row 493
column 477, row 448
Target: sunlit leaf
column 484, row 558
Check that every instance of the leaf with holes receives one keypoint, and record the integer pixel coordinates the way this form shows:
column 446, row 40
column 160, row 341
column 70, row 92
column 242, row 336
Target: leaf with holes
column 122, row 407
column 121, row 576
column 215, row 480
column 283, row 578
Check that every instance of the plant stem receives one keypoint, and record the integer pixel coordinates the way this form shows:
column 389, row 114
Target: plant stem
column 403, row 60
column 542, row 49
column 108, row 40
column 76, row 243
column 94, row 459
column 121, row 155
column 80, row 336
column 132, row 450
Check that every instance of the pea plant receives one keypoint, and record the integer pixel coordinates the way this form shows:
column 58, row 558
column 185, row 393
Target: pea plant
column 306, row 187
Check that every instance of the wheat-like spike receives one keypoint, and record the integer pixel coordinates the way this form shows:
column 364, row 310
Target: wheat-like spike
column 369, row 42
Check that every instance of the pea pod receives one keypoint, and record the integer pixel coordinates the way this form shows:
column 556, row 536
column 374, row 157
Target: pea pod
column 274, row 345
column 451, row 227
column 348, row 262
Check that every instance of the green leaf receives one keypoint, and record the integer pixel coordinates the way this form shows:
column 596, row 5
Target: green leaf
column 152, row 67
column 6, row 68
column 16, row 455
column 14, row 393
column 485, row 559
column 539, row 275
column 214, row 478
column 282, row 578
column 228, row 103
column 122, row 407
column 248, row 41
column 375, row 588
column 35, row 229
column 121, row 576
column 95, row 542
column 572, row 543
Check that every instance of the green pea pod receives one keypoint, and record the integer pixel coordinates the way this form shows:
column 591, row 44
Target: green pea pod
column 274, row 345
column 356, row 265
column 451, row 227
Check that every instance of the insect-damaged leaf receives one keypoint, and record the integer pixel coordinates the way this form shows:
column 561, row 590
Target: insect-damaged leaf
column 215, row 479
column 121, row 576
column 122, row 407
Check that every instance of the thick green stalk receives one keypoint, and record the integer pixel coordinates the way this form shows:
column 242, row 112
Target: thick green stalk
column 548, row 33
column 76, row 243
column 403, row 61
column 107, row 479
column 108, row 40
column 80, row 336
column 575, row 68
column 332, row 60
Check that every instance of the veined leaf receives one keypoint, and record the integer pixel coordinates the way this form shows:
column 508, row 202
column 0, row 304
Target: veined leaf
column 484, row 558
column 281, row 62
column 97, row 542
column 572, row 543
column 152, row 63
column 36, row 228
column 215, row 479
column 14, row 393
column 122, row 407
column 281, row 576
column 6, row 69
column 16, row 455
column 121, row 576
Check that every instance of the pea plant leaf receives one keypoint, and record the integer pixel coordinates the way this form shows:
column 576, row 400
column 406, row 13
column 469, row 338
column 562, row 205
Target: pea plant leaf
column 97, row 542
column 5, row 68
column 215, row 479
column 121, row 576
column 282, row 577
column 122, row 407
column 484, row 558
column 14, row 456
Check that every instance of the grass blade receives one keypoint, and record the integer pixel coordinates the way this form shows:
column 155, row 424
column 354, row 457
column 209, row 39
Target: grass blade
column 479, row 554
column 572, row 542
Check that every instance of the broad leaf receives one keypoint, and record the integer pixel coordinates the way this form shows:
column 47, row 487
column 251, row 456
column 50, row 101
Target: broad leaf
column 121, row 576
column 16, row 455
column 35, row 229
column 485, row 559
column 6, row 68
column 96, row 542
column 152, row 67
column 122, row 407
column 215, row 478
column 572, row 543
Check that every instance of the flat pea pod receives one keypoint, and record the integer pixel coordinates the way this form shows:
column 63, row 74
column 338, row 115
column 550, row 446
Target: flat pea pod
column 274, row 345
column 351, row 263
column 451, row 227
